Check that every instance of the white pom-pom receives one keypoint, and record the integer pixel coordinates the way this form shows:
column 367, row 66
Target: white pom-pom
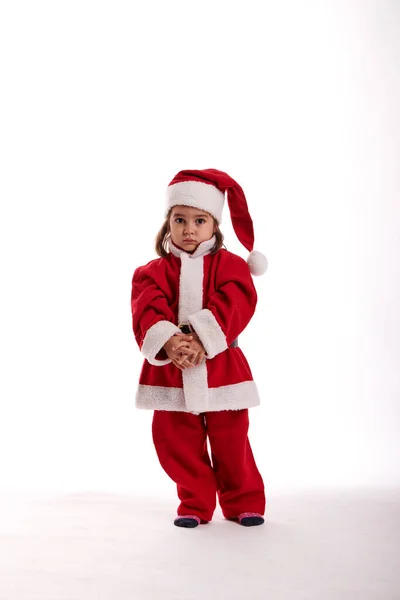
column 257, row 262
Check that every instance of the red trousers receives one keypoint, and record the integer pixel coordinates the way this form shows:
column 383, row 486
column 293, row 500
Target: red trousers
column 180, row 440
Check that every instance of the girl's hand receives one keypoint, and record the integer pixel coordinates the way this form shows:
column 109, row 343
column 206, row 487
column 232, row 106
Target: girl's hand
column 196, row 345
column 178, row 350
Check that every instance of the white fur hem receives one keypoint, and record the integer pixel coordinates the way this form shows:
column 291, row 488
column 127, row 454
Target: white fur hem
column 210, row 333
column 155, row 339
column 227, row 397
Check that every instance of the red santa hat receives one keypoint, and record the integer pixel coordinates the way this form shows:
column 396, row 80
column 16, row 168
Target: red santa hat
column 206, row 189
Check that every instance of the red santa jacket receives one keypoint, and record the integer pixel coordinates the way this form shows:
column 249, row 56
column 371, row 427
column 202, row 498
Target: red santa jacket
column 216, row 295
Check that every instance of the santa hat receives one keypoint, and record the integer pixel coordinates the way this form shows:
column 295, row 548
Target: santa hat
column 206, row 189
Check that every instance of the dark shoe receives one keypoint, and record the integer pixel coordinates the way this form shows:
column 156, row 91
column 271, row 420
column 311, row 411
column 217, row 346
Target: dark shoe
column 187, row 521
column 250, row 519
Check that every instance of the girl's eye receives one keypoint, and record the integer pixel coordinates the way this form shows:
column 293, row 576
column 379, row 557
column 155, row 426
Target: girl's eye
column 180, row 219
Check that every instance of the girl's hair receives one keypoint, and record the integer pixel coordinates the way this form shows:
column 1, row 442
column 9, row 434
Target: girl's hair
column 162, row 236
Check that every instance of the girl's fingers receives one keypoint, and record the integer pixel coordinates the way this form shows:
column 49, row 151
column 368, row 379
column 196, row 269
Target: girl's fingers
column 184, row 337
column 179, row 345
column 186, row 359
column 193, row 360
column 187, row 353
column 186, row 363
column 183, row 366
column 181, row 359
column 177, row 365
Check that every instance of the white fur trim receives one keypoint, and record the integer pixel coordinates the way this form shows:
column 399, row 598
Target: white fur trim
column 200, row 195
column 190, row 286
column 195, row 383
column 154, row 340
column 209, row 331
column 227, row 397
column 202, row 249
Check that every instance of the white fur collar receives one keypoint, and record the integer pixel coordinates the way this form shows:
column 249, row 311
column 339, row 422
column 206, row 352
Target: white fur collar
column 202, row 249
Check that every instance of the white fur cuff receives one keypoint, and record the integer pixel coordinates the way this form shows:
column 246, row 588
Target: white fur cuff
column 209, row 331
column 154, row 340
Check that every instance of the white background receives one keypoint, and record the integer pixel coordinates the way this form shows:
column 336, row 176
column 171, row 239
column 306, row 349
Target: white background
column 101, row 104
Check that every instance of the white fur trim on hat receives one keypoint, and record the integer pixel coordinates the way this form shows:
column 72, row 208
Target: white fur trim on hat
column 197, row 194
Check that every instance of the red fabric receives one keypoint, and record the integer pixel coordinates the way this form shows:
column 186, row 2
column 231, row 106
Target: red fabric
column 151, row 298
column 228, row 292
column 240, row 216
column 180, row 440
column 234, row 298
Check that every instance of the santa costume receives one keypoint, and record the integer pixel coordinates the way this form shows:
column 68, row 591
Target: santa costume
column 213, row 295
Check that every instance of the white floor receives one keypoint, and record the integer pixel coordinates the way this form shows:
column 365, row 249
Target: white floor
column 92, row 546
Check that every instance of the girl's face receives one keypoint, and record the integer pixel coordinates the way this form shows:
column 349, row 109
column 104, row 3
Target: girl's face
column 190, row 226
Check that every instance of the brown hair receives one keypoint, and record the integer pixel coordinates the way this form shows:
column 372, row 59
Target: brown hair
column 162, row 236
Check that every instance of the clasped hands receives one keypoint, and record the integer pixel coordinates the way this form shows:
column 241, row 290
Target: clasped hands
column 185, row 351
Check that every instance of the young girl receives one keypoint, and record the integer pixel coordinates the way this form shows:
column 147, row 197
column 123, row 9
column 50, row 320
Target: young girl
column 189, row 307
